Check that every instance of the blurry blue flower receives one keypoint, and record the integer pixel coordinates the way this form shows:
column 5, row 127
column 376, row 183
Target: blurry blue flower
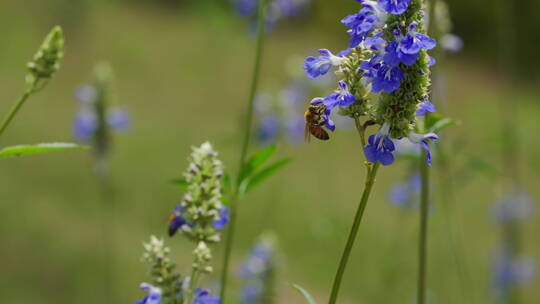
column 451, row 43
column 424, row 107
column 118, row 119
column 257, row 262
column 413, row 42
column 395, row 7
column 405, row 193
column 86, row 94
column 513, row 207
column 317, row 66
column 268, row 129
column 176, row 220
column 380, row 147
column 295, row 128
column 387, row 79
column 223, row 219
column 361, row 24
column 251, row 293
column 422, row 140
column 153, row 297
column 511, row 272
column 246, row 8
column 202, row 296
column 85, row 124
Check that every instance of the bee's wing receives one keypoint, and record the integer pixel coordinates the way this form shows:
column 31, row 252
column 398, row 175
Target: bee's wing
column 307, row 135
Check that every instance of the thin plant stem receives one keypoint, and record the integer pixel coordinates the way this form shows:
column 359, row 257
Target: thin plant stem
column 422, row 243
column 245, row 144
column 192, row 284
column 16, row 107
column 370, row 181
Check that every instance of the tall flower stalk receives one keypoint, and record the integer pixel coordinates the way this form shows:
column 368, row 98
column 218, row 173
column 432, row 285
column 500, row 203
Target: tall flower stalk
column 93, row 124
column 385, row 78
column 200, row 216
column 40, row 70
column 248, row 122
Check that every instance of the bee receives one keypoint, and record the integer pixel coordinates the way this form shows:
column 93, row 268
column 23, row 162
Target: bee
column 314, row 117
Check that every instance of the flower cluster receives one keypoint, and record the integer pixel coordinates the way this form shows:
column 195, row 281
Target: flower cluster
column 166, row 281
column 277, row 9
column 387, row 56
column 46, row 61
column 201, row 214
column 167, row 286
column 258, row 272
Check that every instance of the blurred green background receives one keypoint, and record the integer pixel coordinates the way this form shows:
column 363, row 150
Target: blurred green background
column 183, row 69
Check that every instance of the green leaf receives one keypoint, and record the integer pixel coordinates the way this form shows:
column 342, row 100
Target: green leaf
column 256, row 161
column 432, row 119
column 305, row 293
column 442, row 124
column 180, row 182
column 37, row 149
column 259, row 177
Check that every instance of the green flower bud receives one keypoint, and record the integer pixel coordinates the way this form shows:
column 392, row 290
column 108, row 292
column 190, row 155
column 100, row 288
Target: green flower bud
column 46, row 61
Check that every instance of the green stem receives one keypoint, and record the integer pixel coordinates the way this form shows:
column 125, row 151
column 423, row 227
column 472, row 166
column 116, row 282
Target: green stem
column 245, row 144
column 15, row 109
column 422, row 244
column 192, row 284
column 370, row 181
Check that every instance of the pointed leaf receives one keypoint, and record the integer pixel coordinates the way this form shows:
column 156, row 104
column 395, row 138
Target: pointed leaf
column 442, row 124
column 305, row 293
column 260, row 176
column 37, row 149
column 256, row 161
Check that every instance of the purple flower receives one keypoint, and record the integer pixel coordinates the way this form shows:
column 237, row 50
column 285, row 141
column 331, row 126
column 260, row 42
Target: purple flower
column 395, row 7
column 176, row 220
column 153, row 297
column 404, row 194
column 223, row 219
column 413, row 42
column 118, row 119
column 510, row 272
column 295, row 129
column 342, row 97
column 424, row 107
column 513, row 207
column 451, row 43
column 317, row 66
column 202, row 296
column 361, row 24
column 422, row 140
column 85, row 124
column 394, row 55
column 380, row 147
column 268, row 129
column 86, row 94
column 387, row 79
